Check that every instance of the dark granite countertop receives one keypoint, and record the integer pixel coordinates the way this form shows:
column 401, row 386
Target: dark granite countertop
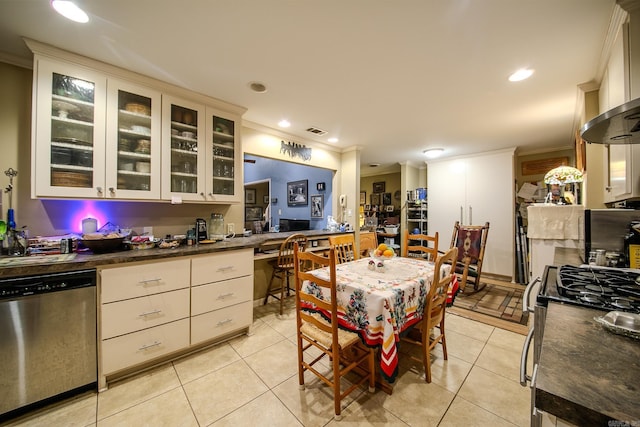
column 586, row 375
column 89, row 260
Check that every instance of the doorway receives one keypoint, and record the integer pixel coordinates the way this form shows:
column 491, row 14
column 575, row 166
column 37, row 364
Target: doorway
column 257, row 205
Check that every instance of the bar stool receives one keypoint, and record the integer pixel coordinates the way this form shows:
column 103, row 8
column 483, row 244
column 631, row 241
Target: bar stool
column 283, row 268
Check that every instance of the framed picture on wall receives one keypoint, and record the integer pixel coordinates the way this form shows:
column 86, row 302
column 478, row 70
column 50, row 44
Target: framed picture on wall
column 375, row 199
column 253, row 213
column 363, row 197
column 250, row 196
column 265, row 199
column 297, row 193
column 386, row 198
column 317, row 206
column 378, row 187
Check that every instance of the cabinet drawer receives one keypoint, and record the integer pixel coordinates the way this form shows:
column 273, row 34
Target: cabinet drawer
column 217, row 295
column 221, row 266
column 138, row 347
column 122, row 317
column 219, row 322
column 139, row 280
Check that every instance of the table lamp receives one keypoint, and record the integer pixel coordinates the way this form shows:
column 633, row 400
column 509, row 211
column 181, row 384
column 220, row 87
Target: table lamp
column 557, row 178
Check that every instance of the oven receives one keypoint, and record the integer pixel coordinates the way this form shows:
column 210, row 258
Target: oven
column 587, row 286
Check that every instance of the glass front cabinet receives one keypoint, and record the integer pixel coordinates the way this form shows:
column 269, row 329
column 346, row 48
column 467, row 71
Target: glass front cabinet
column 97, row 136
column 68, row 158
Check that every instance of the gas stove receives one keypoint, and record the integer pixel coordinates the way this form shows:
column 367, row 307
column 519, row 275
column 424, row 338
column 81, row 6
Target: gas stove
column 593, row 287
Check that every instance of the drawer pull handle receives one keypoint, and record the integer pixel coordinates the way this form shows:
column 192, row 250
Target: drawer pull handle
column 227, row 268
column 150, row 313
column 148, row 346
column 144, row 282
column 223, row 296
column 224, row 322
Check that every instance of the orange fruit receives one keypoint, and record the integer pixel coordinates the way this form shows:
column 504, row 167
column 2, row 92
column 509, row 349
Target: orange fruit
column 382, row 247
column 388, row 253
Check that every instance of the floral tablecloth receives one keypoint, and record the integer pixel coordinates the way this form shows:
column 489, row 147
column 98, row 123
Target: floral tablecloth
column 379, row 304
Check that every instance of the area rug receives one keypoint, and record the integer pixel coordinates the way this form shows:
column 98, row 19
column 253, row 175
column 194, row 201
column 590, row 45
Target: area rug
column 503, row 303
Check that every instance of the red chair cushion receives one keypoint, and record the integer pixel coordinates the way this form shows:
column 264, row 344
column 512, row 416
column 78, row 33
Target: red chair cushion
column 468, row 243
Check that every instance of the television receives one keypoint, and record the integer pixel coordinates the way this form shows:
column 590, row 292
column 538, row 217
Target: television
column 294, row 224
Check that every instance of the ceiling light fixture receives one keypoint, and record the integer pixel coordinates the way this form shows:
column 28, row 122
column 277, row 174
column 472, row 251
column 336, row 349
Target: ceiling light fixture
column 70, row 10
column 432, row 153
column 284, row 123
column 333, row 140
column 521, row 74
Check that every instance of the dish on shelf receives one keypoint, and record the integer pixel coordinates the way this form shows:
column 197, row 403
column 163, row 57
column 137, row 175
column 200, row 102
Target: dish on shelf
column 64, row 108
column 70, row 179
column 141, row 129
column 134, row 107
column 222, row 128
column 71, row 140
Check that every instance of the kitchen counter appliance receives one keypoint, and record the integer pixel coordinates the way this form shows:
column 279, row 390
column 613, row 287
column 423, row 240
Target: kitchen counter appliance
column 48, row 339
column 592, row 287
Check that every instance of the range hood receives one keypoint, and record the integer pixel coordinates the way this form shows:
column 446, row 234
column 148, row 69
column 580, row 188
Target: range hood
column 620, row 125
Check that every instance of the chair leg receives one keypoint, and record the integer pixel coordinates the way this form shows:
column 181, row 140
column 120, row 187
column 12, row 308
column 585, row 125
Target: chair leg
column 282, row 291
column 336, row 386
column 443, row 340
column 273, row 275
column 427, row 361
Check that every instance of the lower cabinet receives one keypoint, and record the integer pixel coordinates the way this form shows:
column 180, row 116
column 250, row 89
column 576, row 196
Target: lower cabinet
column 157, row 309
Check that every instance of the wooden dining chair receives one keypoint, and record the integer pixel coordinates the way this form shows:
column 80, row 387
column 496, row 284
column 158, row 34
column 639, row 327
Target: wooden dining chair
column 345, row 245
column 368, row 242
column 283, row 268
column 318, row 330
column 420, row 246
column 433, row 317
column 471, row 241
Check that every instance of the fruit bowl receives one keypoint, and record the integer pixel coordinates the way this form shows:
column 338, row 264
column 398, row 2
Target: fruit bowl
column 378, row 257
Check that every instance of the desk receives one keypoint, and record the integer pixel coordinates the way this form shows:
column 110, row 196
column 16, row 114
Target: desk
column 380, row 305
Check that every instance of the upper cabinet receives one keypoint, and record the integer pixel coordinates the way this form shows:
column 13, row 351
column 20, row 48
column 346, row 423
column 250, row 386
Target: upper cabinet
column 69, row 131
column 102, row 132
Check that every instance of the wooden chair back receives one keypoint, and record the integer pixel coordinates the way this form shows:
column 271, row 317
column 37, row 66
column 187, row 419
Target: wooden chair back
column 345, row 245
column 437, row 297
column 471, row 241
column 420, row 246
column 368, row 242
column 285, row 254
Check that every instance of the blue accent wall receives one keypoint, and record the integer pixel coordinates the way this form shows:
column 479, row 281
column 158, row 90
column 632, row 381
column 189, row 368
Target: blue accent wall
column 280, row 173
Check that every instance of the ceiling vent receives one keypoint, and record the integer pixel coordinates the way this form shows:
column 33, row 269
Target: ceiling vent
column 316, row 131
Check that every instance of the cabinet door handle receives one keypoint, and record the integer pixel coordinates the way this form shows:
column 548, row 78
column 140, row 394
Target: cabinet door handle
column 99, row 190
column 223, row 296
column 224, row 322
column 148, row 346
column 150, row 313
column 461, row 213
column 227, row 268
column 470, row 214
column 144, row 282
column 112, row 190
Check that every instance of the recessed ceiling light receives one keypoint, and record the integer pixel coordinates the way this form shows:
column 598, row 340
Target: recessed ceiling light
column 520, row 75
column 70, row 10
column 284, row 123
column 258, row 87
column 432, row 153
column 333, row 140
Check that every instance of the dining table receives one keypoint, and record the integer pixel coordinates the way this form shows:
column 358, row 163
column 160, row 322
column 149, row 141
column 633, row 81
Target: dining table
column 379, row 300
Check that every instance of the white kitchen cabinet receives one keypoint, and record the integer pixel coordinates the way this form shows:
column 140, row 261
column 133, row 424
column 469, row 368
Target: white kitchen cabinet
column 622, row 168
column 68, row 130
column 221, row 293
column 224, row 181
column 474, row 190
column 104, row 132
column 183, row 159
column 133, row 145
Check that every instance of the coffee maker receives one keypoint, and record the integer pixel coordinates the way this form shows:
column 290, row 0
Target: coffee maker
column 201, row 229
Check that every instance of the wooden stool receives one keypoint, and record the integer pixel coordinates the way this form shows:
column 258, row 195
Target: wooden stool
column 283, row 268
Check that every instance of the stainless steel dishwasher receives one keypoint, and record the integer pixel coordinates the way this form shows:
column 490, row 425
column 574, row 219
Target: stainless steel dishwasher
column 47, row 338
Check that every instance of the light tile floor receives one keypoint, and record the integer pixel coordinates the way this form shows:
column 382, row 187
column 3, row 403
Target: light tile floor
column 252, row 381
